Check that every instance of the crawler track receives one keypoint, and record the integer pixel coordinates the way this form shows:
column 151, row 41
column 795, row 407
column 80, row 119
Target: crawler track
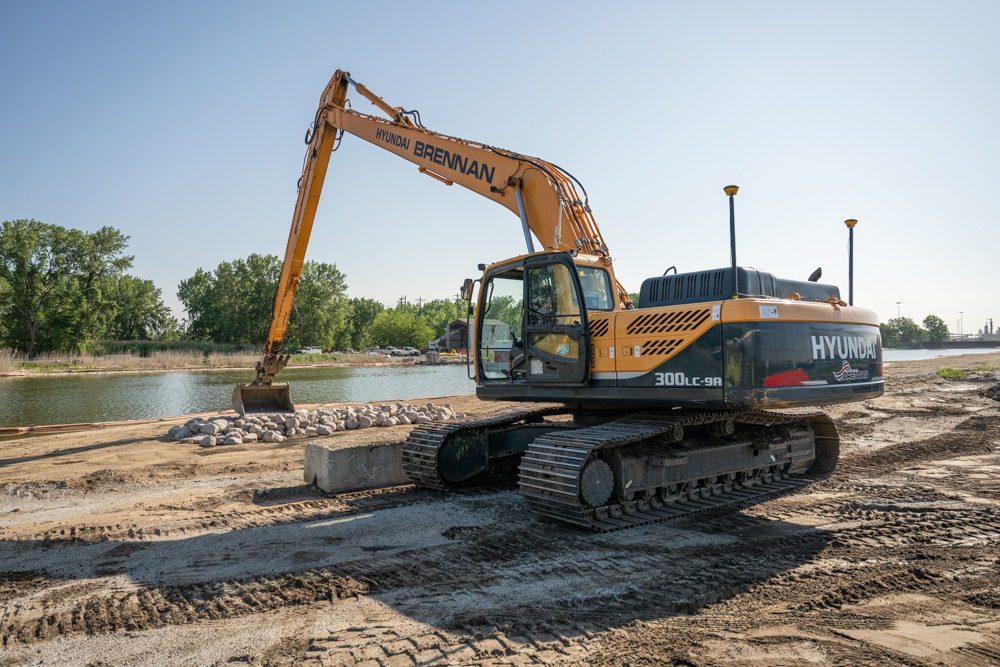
column 551, row 469
column 421, row 449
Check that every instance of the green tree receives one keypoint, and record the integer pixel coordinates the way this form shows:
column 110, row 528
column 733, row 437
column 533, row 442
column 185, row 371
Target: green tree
column 400, row 327
column 171, row 332
column 509, row 310
column 937, row 330
column 97, row 261
column 34, row 261
column 139, row 312
column 901, row 332
column 233, row 303
column 363, row 313
column 438, row 314
column 322, row 310
column 57, row 279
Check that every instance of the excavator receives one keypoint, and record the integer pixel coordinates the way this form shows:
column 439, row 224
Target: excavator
column 701, row 393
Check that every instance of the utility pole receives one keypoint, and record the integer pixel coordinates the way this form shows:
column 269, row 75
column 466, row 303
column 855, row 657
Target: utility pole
column 897, row 309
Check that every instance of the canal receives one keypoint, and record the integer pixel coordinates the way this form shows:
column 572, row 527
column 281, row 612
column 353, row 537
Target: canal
column 96, row 397
column 35, row 400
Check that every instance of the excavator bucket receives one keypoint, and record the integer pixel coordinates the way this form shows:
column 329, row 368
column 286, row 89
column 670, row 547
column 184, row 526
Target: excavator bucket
column 258, row 398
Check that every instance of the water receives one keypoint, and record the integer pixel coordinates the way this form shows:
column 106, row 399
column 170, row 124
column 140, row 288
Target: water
column 97, row 397
column 914, row 355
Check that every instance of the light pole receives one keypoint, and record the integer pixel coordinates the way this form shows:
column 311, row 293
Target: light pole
column 731, row 190
column 960, row 313
column 897, row 309
column 850, row 260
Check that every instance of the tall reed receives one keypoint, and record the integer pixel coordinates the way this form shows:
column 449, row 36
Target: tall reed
column 8, row 360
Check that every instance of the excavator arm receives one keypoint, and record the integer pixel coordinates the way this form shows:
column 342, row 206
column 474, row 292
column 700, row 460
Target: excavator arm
column 540, row 193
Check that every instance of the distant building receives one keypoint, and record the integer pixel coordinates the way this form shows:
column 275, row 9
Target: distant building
column 493, row 331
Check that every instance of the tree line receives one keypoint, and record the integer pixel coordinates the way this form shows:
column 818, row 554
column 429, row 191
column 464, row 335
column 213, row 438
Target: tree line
column 904, row 332
column 63, row 289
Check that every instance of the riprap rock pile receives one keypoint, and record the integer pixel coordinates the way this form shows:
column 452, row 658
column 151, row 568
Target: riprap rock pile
column 323, row 421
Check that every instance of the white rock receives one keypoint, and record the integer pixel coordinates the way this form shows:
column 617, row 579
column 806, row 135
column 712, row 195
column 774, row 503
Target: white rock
column 233, row 440
column 364, row 422
column 322, row 430
column 351, row 423
column 250, row 437
column 209, row 428
column 207, row 441
column 422, row 419
column 313, row 430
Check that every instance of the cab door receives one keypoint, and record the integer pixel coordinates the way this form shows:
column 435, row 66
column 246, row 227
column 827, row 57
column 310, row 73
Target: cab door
column 557, row 346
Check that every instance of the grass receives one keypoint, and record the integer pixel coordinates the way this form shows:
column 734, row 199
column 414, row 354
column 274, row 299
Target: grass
column 955, row 374
column 54, row 362
column 155, row 360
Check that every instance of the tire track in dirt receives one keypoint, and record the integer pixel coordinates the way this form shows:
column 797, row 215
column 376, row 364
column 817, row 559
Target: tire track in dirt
column 147, row 608
column 971, row 437
column 244, row 518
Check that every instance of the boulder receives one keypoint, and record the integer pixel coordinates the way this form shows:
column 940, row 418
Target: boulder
column 207, row 441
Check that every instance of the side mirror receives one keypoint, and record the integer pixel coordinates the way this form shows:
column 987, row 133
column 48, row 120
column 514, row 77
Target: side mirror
column 467, row 289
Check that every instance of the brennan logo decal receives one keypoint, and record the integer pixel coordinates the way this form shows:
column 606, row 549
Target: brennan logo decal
column 846, row 374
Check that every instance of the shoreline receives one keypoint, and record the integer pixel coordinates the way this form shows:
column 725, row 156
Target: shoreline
column 333, row 364
column 931, row 365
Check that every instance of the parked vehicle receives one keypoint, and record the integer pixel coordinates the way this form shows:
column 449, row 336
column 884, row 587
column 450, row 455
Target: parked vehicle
column 410, row 351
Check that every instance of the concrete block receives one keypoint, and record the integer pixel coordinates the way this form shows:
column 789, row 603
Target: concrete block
column 354, row 468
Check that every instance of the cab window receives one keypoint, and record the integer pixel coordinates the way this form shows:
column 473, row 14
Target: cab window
column 596, row 285
column 551, row 296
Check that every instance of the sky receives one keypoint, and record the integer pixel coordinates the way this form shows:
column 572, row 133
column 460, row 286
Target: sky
column 181, row 124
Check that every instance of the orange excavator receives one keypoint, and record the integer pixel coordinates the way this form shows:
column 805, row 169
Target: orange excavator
column 699, row 394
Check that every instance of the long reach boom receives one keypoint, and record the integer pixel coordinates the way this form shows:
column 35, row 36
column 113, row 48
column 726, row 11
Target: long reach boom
column 541, row 194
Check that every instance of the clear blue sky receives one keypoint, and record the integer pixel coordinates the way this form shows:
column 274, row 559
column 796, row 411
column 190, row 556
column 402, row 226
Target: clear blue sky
column 181, row 124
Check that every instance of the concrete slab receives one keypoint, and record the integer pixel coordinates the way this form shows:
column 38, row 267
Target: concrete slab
column 354, row 468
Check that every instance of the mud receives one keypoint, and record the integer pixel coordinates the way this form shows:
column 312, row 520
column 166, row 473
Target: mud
column 122, row 547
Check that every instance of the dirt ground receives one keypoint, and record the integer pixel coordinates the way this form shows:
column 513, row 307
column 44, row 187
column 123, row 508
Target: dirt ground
column 120, row 547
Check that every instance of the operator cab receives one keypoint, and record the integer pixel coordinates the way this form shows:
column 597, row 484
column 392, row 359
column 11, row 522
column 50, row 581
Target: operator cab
column 531, row 326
